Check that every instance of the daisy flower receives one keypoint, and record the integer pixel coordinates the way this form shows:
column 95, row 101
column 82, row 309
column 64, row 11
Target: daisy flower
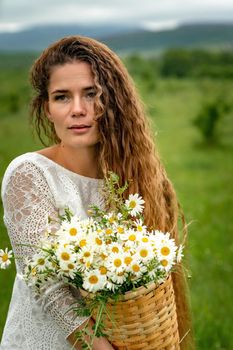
column 115, row 247
column 40, row 261
column 144, row 252
column 166, row 264
column 110, row 217
column 5, row 257
column 118, row 278
column 139, row 226
column 65, row 254
column 94, row 281
column 116, row 262
column 137, row 268
column 134, row 204
column 85, row 257
column 130, row 237
column 69, row 269
column 166, row 250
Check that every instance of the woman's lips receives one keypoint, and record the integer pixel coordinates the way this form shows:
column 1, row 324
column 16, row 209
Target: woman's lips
column 79, row 129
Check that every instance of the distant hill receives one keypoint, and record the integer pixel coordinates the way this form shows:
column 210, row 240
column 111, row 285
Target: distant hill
column 211, row 36
column 124, row 39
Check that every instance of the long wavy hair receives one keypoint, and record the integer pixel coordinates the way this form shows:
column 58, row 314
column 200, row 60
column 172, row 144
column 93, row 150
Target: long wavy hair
column 126, row 144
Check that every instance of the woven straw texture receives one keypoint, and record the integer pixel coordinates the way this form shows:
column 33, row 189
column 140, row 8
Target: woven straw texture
column 145, row 319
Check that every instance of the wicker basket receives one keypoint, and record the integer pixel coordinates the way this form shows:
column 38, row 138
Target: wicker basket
column 144, row 319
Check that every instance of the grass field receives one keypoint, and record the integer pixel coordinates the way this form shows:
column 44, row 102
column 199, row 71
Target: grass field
column 202, row 176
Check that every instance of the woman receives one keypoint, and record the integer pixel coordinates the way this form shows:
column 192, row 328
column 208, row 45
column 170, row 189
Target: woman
column 87, row 107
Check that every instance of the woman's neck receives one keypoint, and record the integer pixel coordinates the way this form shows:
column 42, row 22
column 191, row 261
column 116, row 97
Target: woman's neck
column 83, row 161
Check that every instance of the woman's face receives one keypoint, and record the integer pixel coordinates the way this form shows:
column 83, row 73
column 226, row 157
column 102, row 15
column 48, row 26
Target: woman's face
column 70, row 106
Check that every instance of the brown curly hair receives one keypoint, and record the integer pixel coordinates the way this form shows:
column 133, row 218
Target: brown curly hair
column 126, row 144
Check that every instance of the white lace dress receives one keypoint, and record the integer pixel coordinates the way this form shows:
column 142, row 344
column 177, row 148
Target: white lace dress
column 33, row 187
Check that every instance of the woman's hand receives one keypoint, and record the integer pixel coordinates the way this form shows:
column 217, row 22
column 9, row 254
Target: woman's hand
column 98, row 344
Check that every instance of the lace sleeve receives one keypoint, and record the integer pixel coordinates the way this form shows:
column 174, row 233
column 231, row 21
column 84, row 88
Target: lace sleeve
column 27, row 202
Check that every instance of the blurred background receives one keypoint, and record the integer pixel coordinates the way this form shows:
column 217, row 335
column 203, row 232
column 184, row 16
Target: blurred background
column 180, row 55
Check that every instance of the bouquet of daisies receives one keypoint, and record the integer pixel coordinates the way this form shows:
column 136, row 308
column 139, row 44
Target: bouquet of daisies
column 106, row 255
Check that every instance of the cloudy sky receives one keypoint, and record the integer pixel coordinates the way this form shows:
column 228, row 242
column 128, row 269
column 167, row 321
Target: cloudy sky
column 153, row 14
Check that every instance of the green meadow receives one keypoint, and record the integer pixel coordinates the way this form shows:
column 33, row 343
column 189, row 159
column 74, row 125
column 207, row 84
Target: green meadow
column 200, row 169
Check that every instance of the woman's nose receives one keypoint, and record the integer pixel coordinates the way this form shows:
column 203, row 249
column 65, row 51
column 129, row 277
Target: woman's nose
column 78, row 107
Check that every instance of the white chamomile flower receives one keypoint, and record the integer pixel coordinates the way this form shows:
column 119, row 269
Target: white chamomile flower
column 111, row 217
column 131, row 238
column 109, row 231
column 118, row 278
column 145, row 252
column 116, row 262
column 166, row 264
column 134, row 204
column 94, row 281
column 114, row 247
column 139, row 226
column 40, row 262
column 128, row 259
column 111, row 286
column 166, row 250
column 65, row 254
column 5, row 257
column 120, row 229
column 69, row 269
column 85, row 256
column 137, row 268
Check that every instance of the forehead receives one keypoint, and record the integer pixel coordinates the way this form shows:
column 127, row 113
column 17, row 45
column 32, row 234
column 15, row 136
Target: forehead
column 71, row 73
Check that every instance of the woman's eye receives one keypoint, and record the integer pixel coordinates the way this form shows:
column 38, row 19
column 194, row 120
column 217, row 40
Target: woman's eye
column 60, row 98
column 91, row 94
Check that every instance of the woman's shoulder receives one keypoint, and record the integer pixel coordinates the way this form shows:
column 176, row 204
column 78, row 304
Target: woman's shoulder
column 20, row 161
column 27, row 164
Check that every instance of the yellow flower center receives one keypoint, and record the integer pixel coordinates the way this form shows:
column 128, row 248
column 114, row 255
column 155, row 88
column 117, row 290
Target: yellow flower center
column 143, row 253
column 93, row 279
column 112, row 219
column 120, row 273
column 139, row 228
column 145, row 239
column 41, row 261
column 117, row 262
column 165, row 251
column 136, row 268
column 132, row 204
column 164, row 262
column 82, row 243
column 132, row 237
column 98, row 241
column 115, row 249
column 33, row 272
column 5, row 257
column 128, row 260
column 108, row 241
column 86, row 254
column 88, row 264
column 65, row 256
column 108, row 231
column 103, row 256
column 103, row 270
column 73, row 231
column 126, row 249
column 120, row 230
column 70, row 266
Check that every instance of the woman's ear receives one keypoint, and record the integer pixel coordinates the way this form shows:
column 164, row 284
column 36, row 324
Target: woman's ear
column 46, row 111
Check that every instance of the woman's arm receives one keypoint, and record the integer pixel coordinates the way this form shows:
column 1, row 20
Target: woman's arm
column 28, row 201
column 99, row 343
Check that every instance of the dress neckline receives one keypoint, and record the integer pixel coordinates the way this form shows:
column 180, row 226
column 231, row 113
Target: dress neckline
column 86, row 178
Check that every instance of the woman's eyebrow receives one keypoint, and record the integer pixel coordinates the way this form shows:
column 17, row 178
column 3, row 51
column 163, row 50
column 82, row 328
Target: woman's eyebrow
column 62, row 91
